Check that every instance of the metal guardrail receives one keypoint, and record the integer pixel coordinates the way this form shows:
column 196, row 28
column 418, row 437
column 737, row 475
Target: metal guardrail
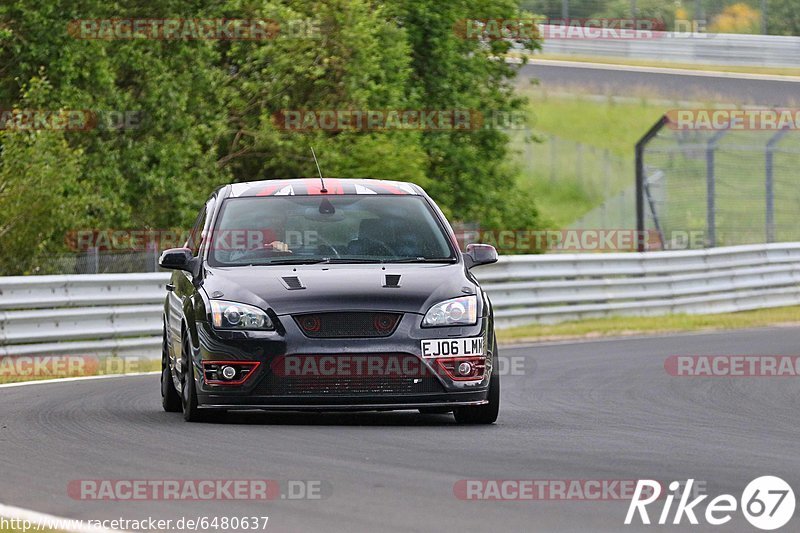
column 120, row 313
column 558, row 287
column 701, row 48
column 82, row 314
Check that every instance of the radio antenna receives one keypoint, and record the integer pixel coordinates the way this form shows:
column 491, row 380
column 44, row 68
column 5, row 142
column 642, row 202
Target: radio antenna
column 322, row 181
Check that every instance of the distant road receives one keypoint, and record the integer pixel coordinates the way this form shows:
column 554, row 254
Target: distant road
column 672, row 84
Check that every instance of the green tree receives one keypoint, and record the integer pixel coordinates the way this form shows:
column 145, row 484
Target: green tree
column 468, row 169
column 783, row 17
column 204, row 111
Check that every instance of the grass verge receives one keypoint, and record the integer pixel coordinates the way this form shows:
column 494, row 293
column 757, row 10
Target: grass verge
column 605, row 124
column 624, row 326
column 570, row 180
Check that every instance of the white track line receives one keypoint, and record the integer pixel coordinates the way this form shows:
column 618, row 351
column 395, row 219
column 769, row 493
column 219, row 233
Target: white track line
column 40, row 520
column 81, row 378
column 664, row 70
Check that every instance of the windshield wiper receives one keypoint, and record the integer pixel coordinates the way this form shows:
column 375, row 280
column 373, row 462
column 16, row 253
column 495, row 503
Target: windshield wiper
column 398, row 260
column 422, row 260
column 293, row 261
column 355, row 260
column 350, row 260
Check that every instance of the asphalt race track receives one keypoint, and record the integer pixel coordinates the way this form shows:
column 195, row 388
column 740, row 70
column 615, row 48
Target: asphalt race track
column 604, row 410
column 606, row 79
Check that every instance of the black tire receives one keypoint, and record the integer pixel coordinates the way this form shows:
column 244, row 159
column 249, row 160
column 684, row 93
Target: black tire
column 482, row 414
column 170, row 399
column 191, row 412
column 435, row 410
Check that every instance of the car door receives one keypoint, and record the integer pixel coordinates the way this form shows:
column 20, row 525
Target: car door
column 183, row 291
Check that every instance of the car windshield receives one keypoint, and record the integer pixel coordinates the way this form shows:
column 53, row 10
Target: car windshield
column 336, row 228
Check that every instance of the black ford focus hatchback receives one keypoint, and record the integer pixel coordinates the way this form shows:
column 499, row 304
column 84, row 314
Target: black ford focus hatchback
column 327, row 295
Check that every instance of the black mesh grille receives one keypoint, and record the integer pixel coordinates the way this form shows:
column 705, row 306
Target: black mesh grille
column 276, row 383
column 339, row 325
column 292, row 282
column 280, row 386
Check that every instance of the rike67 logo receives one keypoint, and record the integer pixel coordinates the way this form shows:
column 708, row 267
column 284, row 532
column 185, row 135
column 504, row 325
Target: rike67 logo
column 767, row 503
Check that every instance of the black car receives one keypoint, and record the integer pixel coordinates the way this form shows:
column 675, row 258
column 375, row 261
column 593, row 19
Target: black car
column 328, row 295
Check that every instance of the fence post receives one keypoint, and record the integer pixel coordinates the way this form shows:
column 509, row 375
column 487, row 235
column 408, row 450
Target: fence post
column 770, row 183
column 94, row 259
column 640, row 177
column 154, row 255
column 711, row 185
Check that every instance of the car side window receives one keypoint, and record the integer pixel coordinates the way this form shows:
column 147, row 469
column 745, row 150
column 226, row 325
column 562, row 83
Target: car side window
column 205, row 232
column 196, row 235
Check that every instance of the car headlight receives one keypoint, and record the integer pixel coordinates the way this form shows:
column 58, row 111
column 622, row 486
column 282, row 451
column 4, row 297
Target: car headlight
column 461, row 311
column 232, row 315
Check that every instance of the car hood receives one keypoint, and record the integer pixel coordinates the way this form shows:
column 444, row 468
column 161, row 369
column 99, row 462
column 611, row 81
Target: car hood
column 327, row 287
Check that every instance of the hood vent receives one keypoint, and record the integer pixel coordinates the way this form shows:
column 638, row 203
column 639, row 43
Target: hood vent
column 391, row 280
column 292, row 283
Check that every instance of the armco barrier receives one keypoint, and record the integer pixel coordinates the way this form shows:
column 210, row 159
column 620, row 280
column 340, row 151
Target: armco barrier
column 558, row 287
column 700, row 48
column 120, row 313
column 82, row 314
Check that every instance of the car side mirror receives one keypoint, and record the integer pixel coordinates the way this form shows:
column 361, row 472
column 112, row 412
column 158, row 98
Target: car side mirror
column 177, row 259
column 480, row 254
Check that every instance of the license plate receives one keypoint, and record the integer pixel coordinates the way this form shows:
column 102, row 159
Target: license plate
column 452, row 347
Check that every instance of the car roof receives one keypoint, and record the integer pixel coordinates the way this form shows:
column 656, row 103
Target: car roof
column 313, row 186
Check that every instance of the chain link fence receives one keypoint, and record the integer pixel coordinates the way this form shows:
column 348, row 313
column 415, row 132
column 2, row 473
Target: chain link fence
column 599, row 176
column 100, row 262
column 732, row 186
column 594, row 170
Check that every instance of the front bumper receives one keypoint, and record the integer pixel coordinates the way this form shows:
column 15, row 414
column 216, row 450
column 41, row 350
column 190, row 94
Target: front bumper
column 267, row 389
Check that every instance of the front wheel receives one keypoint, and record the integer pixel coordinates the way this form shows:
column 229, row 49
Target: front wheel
column 170, row 399
column 482, row 414
column 191, row 412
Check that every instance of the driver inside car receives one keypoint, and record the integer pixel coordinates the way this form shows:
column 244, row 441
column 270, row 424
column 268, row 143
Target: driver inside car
column 261, row 237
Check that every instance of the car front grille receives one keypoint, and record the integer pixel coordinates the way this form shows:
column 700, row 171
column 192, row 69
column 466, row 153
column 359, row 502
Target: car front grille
column 347, row 325
column 278, row 383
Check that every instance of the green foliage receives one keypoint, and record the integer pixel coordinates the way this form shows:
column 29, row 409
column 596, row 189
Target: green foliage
column 657, row 10
column 470, row 176
column 783, row 17
column 203, row 111
column 38, row 174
